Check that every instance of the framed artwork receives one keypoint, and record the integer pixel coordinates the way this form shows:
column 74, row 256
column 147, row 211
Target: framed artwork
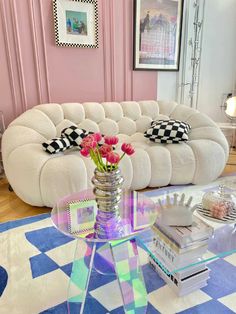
column 157, row 34
column 76, row 23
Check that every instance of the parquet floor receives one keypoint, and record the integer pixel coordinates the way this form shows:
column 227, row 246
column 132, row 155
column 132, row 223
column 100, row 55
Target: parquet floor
column 11, row 207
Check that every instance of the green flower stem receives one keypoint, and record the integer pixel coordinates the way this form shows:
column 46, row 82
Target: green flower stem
column 100, row 159
column 106, row 165
column 94, row 158
column 97, row 159
column 122, row 156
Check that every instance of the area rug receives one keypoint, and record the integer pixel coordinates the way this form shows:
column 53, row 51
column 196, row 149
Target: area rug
column 36, row 261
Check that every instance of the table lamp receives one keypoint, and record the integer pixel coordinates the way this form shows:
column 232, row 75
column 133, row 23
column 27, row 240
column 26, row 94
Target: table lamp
column 230, row 108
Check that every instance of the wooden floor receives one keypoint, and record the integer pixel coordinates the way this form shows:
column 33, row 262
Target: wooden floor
column 11, row 207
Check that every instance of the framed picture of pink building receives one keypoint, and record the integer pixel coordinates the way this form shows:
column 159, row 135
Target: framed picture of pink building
column 157, row 34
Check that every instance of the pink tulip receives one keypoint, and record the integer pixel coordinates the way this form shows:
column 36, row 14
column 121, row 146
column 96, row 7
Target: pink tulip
column 88, row 138
column 127, row 149
column 113, row 158
column 105, row 149
column 89, row 142
column 97, row 137
column 84, row 152
column 111, row 140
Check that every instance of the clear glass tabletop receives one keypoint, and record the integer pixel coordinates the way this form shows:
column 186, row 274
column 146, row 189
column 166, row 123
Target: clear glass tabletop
column 75, row 215
column 221, row 243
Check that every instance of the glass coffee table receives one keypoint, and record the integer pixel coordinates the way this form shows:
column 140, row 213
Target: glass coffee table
column 221, row 244
column 75, row 215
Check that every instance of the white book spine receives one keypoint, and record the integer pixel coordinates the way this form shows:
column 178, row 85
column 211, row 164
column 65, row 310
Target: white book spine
column 172, row 269
column 185, row 236
column 182, row 287
column 170, row 256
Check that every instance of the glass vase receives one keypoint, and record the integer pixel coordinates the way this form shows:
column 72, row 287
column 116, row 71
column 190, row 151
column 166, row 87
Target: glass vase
column 108, row 191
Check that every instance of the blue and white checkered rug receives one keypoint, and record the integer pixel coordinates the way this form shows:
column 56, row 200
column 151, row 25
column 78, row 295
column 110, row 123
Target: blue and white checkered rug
column 36, row 261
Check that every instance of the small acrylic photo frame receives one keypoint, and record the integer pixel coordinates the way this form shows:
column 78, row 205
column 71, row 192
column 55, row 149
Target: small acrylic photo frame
column 140, row 208
column 82, row 216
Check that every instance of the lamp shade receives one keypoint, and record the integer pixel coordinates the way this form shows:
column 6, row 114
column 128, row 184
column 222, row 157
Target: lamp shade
column 231, row 106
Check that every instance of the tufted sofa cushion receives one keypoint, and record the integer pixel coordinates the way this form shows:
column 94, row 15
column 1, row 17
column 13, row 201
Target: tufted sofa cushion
column 40, row 179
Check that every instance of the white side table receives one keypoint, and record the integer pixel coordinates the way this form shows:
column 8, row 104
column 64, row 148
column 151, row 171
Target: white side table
column 224, row 126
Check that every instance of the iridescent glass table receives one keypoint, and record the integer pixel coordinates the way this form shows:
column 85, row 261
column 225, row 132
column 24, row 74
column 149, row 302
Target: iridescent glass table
column 75, row 216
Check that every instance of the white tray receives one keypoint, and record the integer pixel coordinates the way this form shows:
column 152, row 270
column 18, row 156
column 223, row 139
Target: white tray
column 205, row 213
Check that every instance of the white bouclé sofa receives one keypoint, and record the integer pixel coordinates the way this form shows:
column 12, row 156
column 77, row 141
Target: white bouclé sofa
column 40, row 179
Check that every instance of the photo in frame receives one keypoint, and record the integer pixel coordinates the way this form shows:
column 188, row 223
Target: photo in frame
column 157, row 34
column 76, row 23
column 81, row 216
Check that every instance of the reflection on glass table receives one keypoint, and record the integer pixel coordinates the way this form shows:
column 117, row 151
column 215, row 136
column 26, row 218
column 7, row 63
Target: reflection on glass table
column 221, row 242
column 230, row 184
column 117, row 256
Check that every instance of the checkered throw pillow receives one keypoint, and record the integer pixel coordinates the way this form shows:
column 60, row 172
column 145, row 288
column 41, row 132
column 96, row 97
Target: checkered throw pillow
column 56, row 145
column 168, row 131
column 75, row 135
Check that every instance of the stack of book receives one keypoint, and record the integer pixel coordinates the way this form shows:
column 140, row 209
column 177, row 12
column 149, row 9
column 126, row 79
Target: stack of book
column 174, row 249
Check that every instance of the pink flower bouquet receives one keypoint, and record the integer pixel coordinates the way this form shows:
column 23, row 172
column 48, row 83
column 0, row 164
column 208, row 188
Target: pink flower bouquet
column 101, row 150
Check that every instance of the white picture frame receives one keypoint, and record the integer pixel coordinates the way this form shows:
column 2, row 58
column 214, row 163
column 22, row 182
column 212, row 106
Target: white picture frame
column 76, row 23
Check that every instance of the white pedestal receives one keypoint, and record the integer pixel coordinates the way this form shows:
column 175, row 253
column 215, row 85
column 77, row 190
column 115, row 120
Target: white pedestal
column 229, row 130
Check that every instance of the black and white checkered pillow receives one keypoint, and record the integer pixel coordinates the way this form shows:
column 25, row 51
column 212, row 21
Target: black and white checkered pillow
column 168, row 131
column 56, row 145
column 184, row 124
column 75, row 135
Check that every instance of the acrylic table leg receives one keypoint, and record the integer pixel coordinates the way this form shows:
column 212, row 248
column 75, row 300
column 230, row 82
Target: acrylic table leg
column 80, row 277
column 130, row 276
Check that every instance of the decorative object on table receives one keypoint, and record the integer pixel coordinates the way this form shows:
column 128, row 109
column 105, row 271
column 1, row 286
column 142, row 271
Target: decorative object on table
column 107, row 190
column 168, row 131
column 140, row 218
column 199, row 231
column 219, row 206
column 81, row 216
column 76, row 23
column 107, row 181
column 177, row 212
column 176, row 252
column 157, row 34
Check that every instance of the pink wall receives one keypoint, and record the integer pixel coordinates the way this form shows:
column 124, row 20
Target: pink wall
column 34, row 70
